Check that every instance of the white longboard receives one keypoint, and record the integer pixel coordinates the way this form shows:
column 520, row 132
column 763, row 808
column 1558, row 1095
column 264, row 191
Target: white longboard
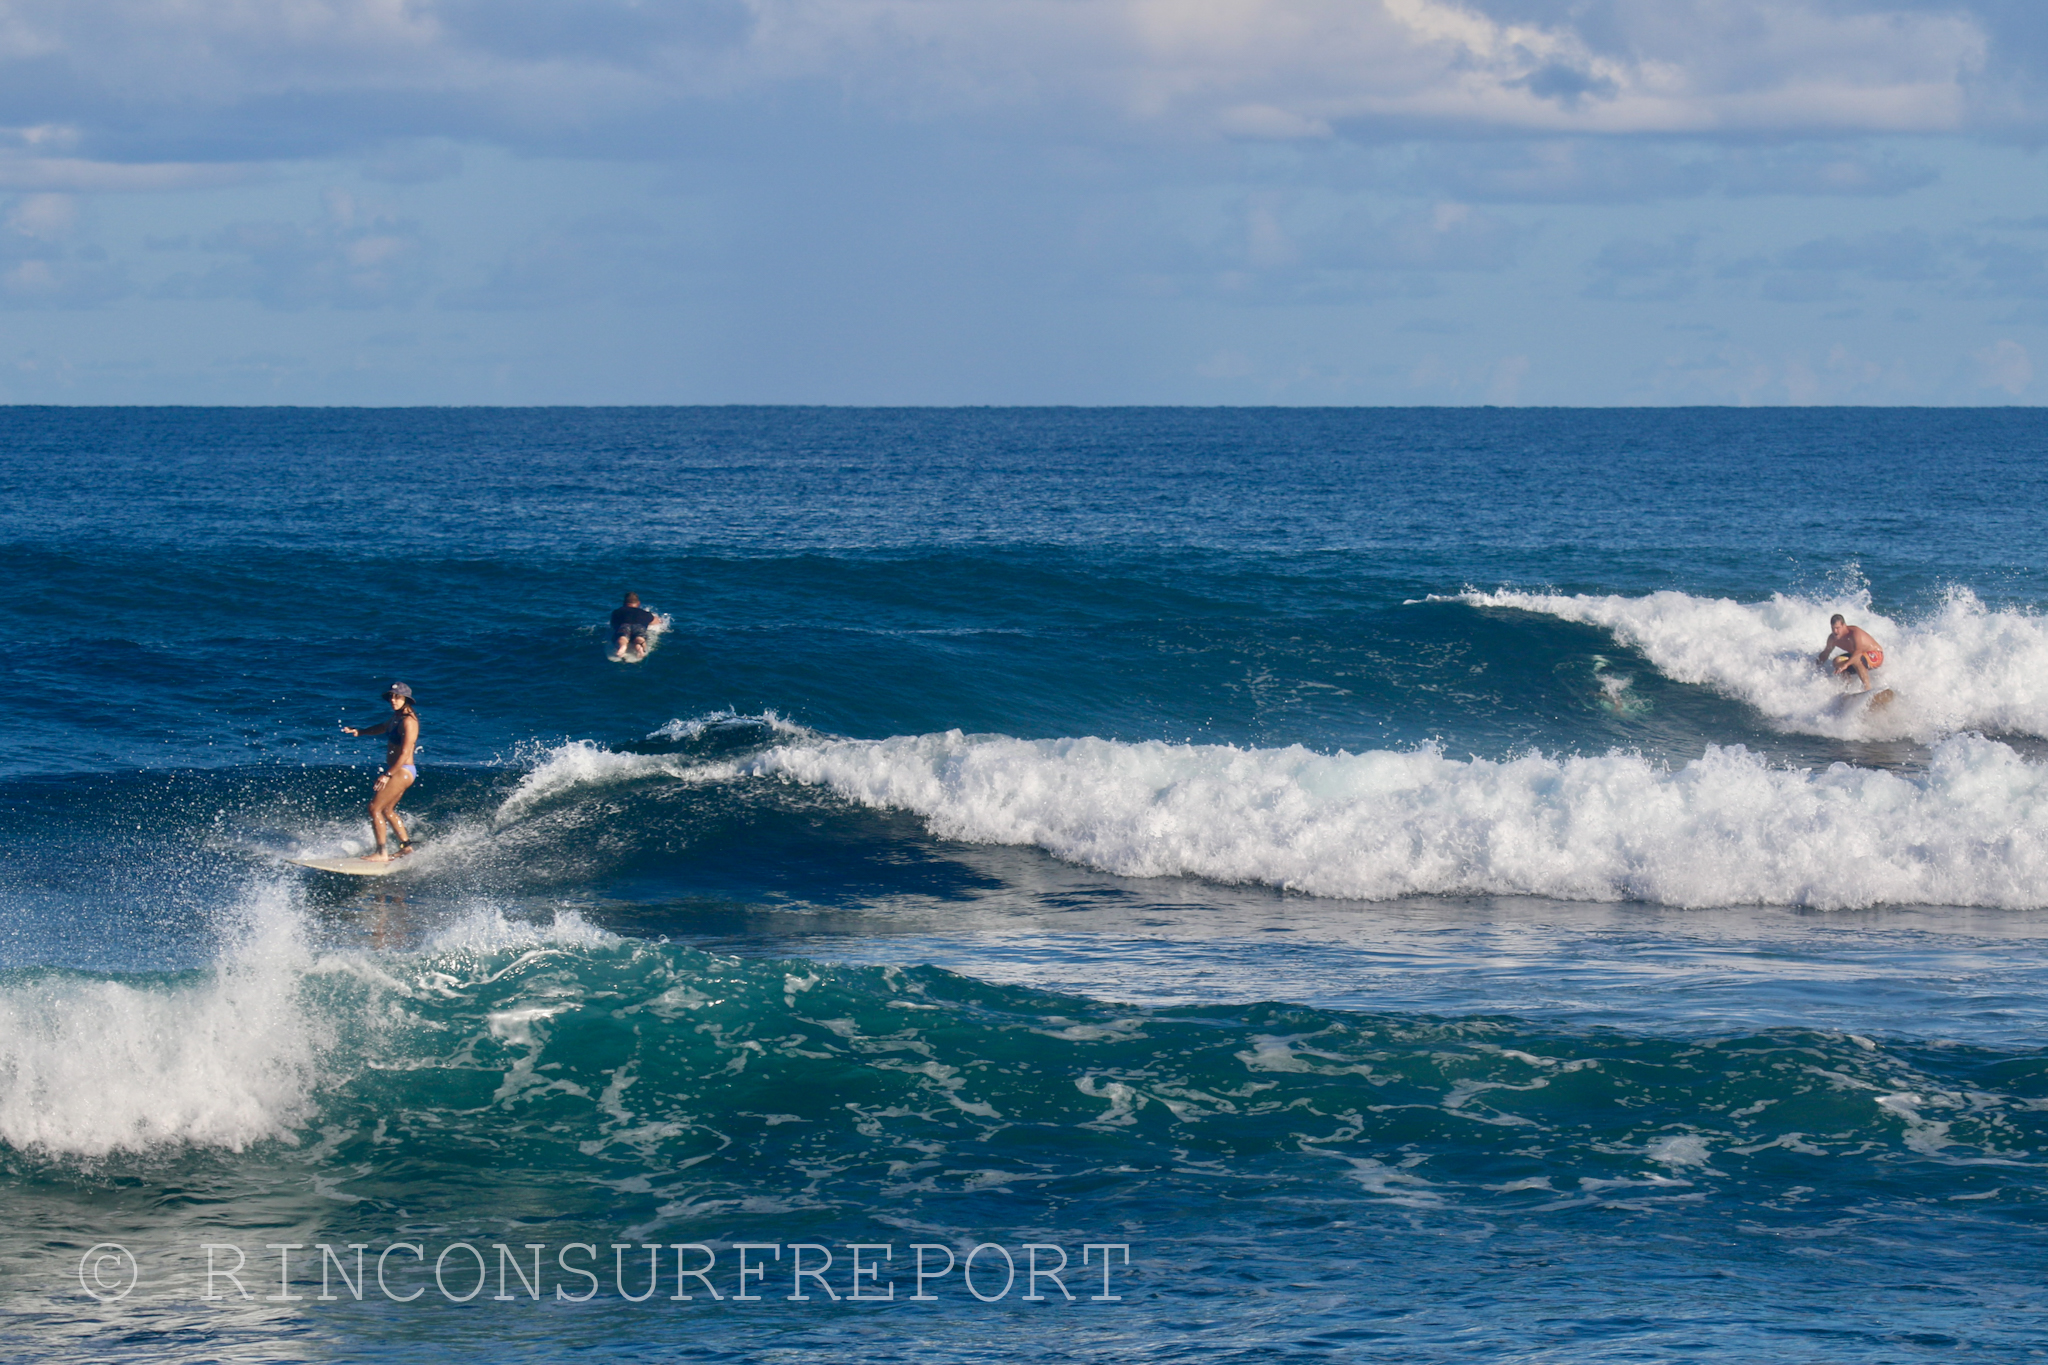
column 349, row 867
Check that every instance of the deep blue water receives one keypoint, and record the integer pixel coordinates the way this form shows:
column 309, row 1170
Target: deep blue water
column 1397, row 874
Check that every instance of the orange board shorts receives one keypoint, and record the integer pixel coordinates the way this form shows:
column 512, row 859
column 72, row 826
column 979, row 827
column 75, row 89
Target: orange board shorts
column 1873, row 658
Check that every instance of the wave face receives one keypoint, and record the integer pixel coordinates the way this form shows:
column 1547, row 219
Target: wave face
column 1960, row 667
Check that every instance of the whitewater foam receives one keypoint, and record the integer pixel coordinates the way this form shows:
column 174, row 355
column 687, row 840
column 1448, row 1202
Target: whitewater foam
column 581, row 763
column 696, row 726
column 486, row 929
column 90, row 1066
column 1963, row 667
column 557, row 771
column 1726, row 829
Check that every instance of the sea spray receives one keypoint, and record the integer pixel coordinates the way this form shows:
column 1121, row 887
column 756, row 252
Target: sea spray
column 225, row 1056
column 582, row 765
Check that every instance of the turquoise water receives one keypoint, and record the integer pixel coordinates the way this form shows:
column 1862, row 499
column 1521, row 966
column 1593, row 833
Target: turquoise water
column 1395, row 877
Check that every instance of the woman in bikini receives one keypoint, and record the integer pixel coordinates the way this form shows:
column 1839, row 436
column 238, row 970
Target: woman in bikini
column 398, row 774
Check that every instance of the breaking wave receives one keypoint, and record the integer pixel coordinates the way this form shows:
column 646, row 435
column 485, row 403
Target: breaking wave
column 1963, row 667
column 1726, row 829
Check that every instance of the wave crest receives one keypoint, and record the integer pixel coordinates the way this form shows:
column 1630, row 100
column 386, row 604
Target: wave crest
column 1725, row 829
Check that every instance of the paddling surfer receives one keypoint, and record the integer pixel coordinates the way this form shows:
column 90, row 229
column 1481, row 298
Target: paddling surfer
column 1860, row 652
column 629, row 628
column 399, row 772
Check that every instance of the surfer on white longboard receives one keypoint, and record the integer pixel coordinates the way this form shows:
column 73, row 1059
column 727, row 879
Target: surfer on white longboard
column 629, row 629
column 399, row 772
column 1860, row 652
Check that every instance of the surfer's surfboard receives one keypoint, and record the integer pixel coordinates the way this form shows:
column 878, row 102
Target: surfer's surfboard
column 349, row 867
column 1864, row 701
column 653, row 641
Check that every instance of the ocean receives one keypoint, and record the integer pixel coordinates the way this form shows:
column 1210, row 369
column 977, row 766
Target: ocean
column 1065, row 885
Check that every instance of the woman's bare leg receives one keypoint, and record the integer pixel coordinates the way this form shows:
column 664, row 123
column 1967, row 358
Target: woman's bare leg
column 376, row 853
column 383, row 808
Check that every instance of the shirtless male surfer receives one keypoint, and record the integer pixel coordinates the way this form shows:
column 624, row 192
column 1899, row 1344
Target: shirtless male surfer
column 1859, row 651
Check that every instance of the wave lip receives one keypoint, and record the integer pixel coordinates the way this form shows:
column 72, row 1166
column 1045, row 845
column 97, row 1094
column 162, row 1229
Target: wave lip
column 696, row 727
column 582, row 764
column 1725, row 829
column 1963, row 667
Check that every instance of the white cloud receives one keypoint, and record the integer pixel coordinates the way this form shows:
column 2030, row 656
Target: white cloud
column 353, row 257
column 596, row 258
column 1642, row 270
column 45, row 217
column 1297, row 68
column 2005, row 366
column 1905, row 255
column 78, row 176
column 1589, row 169
column 1227, row 364
column 213, row 75
column 44, row 263
column 1954, row 265
column 1838, row 375
column 1508, row 375
column 414, row 164
column 1446, row 236
column 1266, row 121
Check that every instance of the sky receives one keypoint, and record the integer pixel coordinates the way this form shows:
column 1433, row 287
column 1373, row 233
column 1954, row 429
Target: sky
column 1579, row 202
